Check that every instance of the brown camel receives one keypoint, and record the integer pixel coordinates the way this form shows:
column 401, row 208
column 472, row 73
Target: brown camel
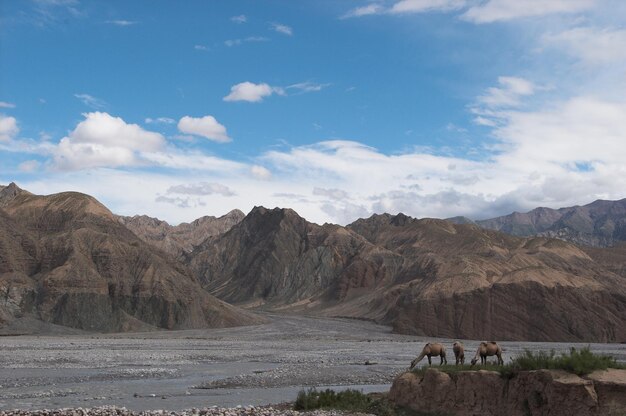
column 429, row 350
column 459, row 352
column 488, row 349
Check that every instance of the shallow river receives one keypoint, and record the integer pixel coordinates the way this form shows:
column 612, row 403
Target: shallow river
column 225, row 367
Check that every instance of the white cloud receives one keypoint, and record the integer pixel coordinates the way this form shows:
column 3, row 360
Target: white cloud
column 91, row 101
column 254, row 93
column 201, row 188
column 8, row 128
column 484, row 11
column 537, row 162
column 29, row 166
column 237, row 42
column 206, row 126
column 581, row 129
column 122, row 22
column 283, row 29
column 421, row 6
column 367, row 10
column 160, row 120
column 336, row 194
column 4, row 104
column 259, row 172
column 239, row 19
column 201, row 48
column 500, row 10
column 508, row 94
column 407, row 7
column 307, row 86
column 591, row 45
column 250, row 92
column 104, row 140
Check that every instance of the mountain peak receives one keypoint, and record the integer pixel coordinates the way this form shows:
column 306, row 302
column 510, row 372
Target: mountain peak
column 9, row 192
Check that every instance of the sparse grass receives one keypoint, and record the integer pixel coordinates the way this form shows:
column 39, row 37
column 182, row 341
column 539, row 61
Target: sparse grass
column 353, row 401
column 579, row 362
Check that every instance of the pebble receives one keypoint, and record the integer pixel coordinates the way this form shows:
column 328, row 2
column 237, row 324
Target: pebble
column 212, row 411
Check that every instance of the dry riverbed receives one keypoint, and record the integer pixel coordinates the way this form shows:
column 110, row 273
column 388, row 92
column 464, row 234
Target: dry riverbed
column 246, row 366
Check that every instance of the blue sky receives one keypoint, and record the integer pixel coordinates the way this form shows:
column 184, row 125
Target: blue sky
column 336, row 109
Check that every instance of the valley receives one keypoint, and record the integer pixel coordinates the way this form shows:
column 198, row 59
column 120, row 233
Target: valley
column 256, row 365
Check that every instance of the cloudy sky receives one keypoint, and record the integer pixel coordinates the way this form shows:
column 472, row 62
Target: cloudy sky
column 338, row 109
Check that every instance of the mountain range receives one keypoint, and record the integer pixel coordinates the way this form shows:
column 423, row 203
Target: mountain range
column 598, row 224
column 66, row 259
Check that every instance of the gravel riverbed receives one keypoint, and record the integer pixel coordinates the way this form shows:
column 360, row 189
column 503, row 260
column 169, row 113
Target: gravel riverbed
column 213, row 411
column 246, row 366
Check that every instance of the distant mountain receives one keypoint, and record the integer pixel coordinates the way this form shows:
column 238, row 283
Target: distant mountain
column 180, row 239
column 65, row 259
column 426, row 277
column 599, row 224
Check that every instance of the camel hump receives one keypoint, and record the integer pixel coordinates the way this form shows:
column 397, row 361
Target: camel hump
column 493, row 342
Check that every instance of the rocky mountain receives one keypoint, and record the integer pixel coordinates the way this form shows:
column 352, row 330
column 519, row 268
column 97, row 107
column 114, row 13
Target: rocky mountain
column 598, row 224
column 180, row 239
column 9, row 192
column 276, row 257
column 427, row 277
column 65, row 259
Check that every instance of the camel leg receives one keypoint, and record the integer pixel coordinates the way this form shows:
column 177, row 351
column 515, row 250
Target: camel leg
column 429, row 362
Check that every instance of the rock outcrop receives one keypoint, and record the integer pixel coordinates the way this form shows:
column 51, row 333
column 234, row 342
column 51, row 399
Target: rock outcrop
column 537, row 393
column 65, row 259
column 598, row 224
column 424, row 277
column 180, row 239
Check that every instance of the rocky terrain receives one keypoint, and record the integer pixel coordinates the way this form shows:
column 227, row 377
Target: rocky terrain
column 66, row 260
column 212, row 411
column 180, row 239
column 425, row 277
column 598, row 224
column 542, row 392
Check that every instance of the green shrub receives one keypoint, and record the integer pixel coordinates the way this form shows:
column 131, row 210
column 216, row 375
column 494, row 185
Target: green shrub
column 352, row 400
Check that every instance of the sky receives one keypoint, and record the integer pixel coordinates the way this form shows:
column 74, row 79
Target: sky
column 337, row 109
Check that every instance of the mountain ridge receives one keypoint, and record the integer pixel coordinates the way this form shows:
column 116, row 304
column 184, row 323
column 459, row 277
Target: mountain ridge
column 71, row 263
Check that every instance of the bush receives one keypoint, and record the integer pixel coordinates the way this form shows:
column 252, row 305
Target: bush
column 579, row 362
column 352, row 400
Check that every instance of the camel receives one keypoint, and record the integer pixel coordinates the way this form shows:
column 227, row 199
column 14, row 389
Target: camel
column 429, row 350
column 488, row 349
column 459, row 352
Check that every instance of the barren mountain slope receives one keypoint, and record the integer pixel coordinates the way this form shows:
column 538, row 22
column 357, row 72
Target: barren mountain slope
column 482, row 284
column 92, row 273
column 426, row 276
column 180, row 239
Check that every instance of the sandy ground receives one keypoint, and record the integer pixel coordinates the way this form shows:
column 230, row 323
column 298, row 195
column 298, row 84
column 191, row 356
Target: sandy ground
column 221, row 367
